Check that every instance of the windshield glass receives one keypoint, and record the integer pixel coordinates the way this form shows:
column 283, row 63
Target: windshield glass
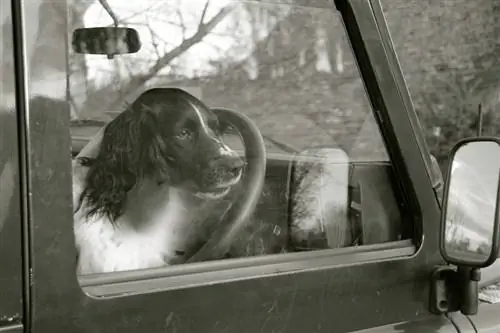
column 287, row 67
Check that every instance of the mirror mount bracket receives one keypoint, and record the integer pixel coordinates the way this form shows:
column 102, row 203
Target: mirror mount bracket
column 107, row 8
column 470, row 215
column 468, row 282
column 454, row 289
column 443, row 295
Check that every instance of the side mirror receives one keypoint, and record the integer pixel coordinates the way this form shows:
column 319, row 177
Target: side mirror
column 106, row 40
column 469, row 228
column 469, row 219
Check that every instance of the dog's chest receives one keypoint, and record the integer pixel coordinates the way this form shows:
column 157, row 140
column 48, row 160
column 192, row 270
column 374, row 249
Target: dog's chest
column 137, row 244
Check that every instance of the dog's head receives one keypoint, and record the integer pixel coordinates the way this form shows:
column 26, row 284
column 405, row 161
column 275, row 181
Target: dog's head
column 166, row 135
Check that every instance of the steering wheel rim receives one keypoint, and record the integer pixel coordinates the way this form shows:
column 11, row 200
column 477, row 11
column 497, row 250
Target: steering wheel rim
column 238, row 216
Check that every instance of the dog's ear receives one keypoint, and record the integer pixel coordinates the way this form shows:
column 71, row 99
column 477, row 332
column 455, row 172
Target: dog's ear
column 131, row 148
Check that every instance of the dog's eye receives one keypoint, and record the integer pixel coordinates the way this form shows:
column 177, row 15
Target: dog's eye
column 184, row 133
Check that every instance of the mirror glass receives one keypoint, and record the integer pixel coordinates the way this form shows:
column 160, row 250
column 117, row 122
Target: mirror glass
column 471, row 201
column 106, row 40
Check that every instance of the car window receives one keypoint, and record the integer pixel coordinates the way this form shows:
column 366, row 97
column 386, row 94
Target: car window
column 149, row 188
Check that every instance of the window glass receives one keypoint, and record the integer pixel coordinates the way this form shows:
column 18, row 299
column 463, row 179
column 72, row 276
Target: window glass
column 161, row 179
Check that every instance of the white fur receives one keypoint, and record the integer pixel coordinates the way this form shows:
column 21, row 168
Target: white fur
column 224, row 150
column 158, row 229
column 158, row 220
column 145, row 236
column 201, row 118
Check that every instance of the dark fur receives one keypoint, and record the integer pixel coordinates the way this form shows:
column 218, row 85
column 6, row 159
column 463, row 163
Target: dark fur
column 120, row 163
column 143, row 141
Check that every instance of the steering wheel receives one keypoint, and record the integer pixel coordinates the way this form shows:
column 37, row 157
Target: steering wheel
column 240, row 212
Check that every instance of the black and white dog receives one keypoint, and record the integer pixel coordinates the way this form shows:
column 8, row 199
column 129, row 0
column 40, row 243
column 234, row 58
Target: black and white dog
column 143, row 185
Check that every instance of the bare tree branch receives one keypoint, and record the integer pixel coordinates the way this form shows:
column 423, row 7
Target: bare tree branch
column 138, row 80
column 154, row 41
column 203, row 30
column 124, row 20
column 182, row 23
column 203, row 13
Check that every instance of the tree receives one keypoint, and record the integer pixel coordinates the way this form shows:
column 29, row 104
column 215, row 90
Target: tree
column 449, row 53
column 160, row 58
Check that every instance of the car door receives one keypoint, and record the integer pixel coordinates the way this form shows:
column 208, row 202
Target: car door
column 11, row 246
column 382, row 276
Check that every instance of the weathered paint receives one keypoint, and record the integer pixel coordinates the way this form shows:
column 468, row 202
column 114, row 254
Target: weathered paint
column 10, row 228
column 327, row 299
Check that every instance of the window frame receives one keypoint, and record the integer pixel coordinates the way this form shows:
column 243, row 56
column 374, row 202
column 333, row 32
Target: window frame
column 386, row 95
column 200, row 274
column 16, row 310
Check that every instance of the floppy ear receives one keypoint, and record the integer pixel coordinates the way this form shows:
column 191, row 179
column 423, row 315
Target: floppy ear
column 79, row 168
column 131, row 148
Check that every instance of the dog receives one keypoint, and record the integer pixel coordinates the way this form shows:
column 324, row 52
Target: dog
column 143, row 186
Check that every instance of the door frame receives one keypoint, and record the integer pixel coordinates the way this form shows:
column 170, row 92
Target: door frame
column 385, row 289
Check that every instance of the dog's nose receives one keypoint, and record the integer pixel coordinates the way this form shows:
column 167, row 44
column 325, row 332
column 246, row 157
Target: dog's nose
column 234, row 165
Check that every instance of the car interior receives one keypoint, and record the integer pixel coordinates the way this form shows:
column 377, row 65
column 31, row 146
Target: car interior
column 322, row 189
column 317, row 199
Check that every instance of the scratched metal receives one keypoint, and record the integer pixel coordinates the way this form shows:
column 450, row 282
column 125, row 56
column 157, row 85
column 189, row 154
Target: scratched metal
column 338, row 299
column 329, row 300
column 10, row 226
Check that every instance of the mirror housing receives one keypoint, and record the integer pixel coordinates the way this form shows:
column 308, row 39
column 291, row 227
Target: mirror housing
column 106, row 40
column 469, row 234
column 469, row 225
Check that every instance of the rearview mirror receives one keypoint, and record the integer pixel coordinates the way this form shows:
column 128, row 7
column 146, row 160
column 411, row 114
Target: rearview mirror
column 106, row 40
column 469, row 218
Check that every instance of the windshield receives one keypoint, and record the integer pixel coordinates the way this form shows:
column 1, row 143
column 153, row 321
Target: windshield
column 272, row 62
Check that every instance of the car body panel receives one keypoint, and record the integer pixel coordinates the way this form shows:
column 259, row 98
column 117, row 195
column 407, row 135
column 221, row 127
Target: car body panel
column 11, row 242
column 329, row 298
column 11, row 272
column 455, row 322
column 321, row 299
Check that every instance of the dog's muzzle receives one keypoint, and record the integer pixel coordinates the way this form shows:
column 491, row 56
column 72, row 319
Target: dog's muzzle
column 221, row 174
